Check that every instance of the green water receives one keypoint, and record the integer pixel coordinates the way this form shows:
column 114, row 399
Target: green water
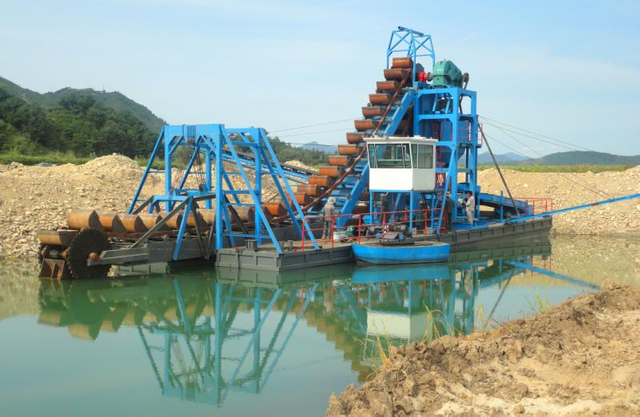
column 196, row 343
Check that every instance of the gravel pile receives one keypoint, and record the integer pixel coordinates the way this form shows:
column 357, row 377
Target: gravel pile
column 38, row 197
column 571, row 189
column 35, row 197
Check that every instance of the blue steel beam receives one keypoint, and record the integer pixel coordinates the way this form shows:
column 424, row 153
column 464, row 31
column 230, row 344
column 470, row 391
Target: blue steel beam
column 580, row 207
column 147, row 170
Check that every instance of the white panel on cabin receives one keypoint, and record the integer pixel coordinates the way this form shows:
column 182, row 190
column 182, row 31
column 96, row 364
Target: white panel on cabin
column 401, row 164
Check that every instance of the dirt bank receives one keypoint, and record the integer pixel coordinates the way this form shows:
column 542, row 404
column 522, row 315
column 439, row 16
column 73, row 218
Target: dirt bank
column 580, row 358
column 572, row 189
column 35, row 197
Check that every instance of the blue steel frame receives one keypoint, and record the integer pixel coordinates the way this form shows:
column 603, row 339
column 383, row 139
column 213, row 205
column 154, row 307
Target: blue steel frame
column 452, row 138
column 449, row 118
column 219, row 145
column 410, row 43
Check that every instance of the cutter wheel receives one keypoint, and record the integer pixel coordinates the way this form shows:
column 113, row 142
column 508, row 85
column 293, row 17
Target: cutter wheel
column 83, row 245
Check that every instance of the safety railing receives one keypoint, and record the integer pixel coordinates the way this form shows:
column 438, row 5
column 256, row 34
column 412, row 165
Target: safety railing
column 536, row 205
column 365, row 226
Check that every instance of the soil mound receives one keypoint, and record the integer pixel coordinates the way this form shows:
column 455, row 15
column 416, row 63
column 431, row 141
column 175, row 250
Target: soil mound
column 580, row 358
column 569, row 189
column 39, row 197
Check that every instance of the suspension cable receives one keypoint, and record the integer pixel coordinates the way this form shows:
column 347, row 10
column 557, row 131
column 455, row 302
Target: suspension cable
column 344, row 129
column 560, row 174
column 314, row 125
column 552, row 140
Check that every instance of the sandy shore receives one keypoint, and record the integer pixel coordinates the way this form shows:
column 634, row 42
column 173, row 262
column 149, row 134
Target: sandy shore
column 580, row 358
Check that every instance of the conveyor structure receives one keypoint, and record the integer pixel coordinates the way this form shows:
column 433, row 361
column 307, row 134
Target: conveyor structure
column 213, row 205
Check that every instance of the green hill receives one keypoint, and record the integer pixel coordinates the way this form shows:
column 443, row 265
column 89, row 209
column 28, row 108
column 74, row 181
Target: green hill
column 72, row 125
column 77, row 125
column 113, row 100
column 582, row 158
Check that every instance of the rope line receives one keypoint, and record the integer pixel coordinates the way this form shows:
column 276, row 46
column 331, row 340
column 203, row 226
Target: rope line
column 559, row 173
column 551, row 140
column 314, row 125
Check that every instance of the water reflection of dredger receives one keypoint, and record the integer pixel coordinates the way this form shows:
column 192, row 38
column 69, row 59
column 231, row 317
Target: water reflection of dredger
column 207, row 337
column 203, row 338
column 414, row 302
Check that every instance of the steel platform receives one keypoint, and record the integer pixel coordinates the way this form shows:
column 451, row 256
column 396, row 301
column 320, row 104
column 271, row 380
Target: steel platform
column 266, row 258
column 295, row 257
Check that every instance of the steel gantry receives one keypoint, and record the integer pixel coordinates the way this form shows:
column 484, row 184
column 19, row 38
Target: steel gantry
column 211, row 169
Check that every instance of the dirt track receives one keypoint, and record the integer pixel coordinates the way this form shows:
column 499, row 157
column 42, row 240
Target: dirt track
column 580, row 358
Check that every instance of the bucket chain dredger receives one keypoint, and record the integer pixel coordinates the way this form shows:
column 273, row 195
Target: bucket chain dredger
column 417, row 141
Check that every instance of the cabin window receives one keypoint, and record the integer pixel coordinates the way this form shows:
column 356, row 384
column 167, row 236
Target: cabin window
column 395, row 155
column 425, row 157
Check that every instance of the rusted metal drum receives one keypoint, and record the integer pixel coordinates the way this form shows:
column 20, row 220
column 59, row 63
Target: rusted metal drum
column 191, row 219
column 372, row 111
column 338, row 161
column 362, row 125
column 348, row 150
column 246, row 214
column 276, row 208
column 111, row 222
column 404, row 62
column 321, row 180
column 83, row 218
column 57, row 237
column 354, row 138
column 382, row 98
column 133, row 223
column 175, row 221
column 364, row 196
column 302, row 198
column 330, row 172
column 208, row 216
column 396, row 74
column 312, row 190
column 386, row 86
column 151, row 219
column 361, row 208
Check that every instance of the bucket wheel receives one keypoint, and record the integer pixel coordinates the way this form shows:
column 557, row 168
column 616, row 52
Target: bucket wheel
column 85, row 244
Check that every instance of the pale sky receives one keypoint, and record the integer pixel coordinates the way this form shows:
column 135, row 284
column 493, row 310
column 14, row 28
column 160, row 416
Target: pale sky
column 569, row 70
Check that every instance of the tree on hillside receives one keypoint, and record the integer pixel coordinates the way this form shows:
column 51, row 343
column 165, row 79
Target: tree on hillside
column 288, row 152
column 78, row 104
column 26, row 118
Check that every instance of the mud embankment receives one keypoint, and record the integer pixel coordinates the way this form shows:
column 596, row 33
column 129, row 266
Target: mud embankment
column 580, row 358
